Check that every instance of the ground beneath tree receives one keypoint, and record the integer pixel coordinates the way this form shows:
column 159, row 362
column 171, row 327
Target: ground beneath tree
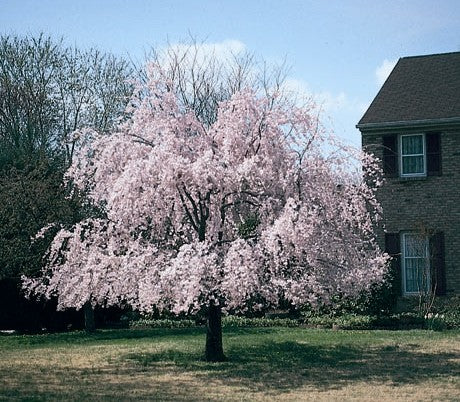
column 264, row 364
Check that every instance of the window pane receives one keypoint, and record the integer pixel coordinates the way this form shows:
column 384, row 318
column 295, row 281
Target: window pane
column 416, row 264
column 412, row 144
column 414, row 246
column 416, row 275
column 413, row 164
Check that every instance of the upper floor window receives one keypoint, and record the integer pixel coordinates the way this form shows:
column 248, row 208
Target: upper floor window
column 413, row 155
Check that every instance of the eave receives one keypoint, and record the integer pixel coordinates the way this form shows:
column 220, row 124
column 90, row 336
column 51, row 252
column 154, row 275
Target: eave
column 418, row 124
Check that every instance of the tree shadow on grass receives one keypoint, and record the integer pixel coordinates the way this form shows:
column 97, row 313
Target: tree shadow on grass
column 82, row 337
column 281, row 366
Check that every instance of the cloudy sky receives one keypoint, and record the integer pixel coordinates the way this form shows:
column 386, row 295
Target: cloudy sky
column 339, row 51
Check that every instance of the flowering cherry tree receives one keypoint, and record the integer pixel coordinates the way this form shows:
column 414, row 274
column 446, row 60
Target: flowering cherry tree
column 215, row 216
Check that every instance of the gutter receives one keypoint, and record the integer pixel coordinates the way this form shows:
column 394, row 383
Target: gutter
column 409, row 123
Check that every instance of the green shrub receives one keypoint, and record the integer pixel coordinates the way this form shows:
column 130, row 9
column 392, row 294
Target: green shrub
column 162, row 323
column 451, row 321
column 401, row 321
column 446, row 310
column 379, row 300
column 435, row 322
column 129, row 317
column 446, row 315
column 227, row 321
column 236, row 321
column 345, row 321
column 353, row 321
column 407, row 320
column 387, row 322
column 410, row 320
column 319, row 321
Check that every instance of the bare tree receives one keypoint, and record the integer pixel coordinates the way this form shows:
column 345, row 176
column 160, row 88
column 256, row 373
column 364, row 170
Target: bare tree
column 201, row 76
column 93, row 91
column 47, row 91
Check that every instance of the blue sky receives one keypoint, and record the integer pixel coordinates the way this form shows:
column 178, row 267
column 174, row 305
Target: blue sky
column 338, row 51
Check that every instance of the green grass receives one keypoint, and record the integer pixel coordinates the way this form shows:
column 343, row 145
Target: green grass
column 264, row 364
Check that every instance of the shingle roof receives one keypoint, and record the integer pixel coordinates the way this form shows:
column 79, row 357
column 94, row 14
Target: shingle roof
column 418, row 88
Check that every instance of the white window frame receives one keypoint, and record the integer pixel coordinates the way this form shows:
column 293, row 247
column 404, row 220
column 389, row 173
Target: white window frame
column 401, row 156
column 403, row 265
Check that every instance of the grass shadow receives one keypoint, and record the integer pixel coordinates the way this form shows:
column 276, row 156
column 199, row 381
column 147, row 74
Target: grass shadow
column 82, row 337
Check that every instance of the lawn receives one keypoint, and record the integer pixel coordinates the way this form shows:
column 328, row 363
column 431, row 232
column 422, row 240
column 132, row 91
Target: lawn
column 264, row 364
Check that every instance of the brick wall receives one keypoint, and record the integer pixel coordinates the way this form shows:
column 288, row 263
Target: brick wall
column 410, row 204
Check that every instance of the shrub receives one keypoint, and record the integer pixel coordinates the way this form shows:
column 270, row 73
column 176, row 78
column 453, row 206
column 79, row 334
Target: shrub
column 447, row 311
column 320, row 321
column 236, row 321
column 378, row 301
column 228, row 321
column 446, row 317
column 407, row 320
column 353, row 321
column 162, row 323
column 345, row 321
column 435, row 322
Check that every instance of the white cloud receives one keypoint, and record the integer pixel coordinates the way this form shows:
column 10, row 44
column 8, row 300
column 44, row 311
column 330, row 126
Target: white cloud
column 383, row 71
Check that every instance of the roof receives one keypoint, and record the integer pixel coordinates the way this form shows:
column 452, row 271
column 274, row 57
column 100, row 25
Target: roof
column 419, row 89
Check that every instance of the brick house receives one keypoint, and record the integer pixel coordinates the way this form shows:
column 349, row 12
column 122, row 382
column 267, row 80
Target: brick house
column 413, row 127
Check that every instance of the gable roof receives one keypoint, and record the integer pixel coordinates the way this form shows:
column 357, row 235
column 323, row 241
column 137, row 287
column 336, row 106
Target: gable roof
column 420, row 88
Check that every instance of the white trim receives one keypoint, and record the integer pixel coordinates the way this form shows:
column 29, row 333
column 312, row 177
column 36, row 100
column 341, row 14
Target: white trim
column 423, row 154
column 403, row 264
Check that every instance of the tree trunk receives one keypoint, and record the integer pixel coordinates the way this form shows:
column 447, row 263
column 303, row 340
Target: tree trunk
column 214, row 350
column 90, row 325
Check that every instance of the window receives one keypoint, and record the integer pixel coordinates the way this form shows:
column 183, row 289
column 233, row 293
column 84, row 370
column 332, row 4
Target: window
column 415, row 263
column 413, row 257
column 413, row 155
